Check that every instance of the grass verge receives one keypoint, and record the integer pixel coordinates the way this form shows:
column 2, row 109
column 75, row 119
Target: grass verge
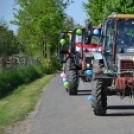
column 21, row 101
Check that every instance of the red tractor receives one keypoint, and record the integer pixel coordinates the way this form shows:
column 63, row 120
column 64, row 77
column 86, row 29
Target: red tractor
column 113, row 68
column 76, row 53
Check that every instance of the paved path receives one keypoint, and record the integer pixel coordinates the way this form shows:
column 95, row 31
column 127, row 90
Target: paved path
column 60, row 113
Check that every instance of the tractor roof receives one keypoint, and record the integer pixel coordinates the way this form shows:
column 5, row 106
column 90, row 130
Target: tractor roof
column 84, row 27
column 122, row 16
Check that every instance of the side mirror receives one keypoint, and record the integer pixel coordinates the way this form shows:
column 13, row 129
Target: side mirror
column 89, row 26
column 87, row 38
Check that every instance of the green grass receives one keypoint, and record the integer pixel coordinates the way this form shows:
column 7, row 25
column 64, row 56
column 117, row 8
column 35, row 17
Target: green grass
column 17, row 105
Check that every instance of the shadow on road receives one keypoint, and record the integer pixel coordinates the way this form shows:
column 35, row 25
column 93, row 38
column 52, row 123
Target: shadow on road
column 84, row 92
column 120, row 114
column 121, row 107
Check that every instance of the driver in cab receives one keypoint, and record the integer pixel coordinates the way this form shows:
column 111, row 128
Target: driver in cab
column 122, row 37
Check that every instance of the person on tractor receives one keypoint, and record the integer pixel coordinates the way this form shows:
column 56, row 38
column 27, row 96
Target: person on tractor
column 122, row 37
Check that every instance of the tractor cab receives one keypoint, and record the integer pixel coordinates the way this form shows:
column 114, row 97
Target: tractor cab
column 119, row 51
column 94, row 44
column 77, row 43
column 118, row 46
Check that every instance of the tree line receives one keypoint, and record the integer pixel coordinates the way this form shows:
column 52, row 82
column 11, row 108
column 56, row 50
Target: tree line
column 40, row 22
column 100, row 9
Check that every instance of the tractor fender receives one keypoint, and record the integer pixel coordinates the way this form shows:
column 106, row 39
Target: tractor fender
column 107, row 80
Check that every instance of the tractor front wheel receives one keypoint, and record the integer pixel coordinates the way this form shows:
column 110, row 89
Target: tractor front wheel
column 99, row 98
column 73, row 82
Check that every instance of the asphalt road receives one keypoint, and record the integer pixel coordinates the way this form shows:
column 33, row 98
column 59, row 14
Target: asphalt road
column 60, row 113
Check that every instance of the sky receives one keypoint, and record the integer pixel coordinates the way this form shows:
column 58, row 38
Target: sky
column 75, row 10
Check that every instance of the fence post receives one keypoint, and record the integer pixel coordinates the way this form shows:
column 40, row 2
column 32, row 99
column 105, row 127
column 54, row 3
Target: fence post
column 11, row 63
column 15, row 63
column 3, row 64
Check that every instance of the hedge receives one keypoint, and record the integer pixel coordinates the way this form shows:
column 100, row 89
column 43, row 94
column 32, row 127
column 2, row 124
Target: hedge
column 9, row 80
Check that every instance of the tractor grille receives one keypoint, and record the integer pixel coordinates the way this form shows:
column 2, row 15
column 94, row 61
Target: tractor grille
column 126, row 65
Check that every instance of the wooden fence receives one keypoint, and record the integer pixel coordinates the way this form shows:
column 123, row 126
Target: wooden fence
column 16, row 63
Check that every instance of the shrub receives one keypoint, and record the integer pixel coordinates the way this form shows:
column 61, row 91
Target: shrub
column 12, row 79
column 9, row 80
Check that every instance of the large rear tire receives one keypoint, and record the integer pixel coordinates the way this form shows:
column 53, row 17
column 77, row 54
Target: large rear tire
column 95, row 68
column 73, row 82
column 99, row 98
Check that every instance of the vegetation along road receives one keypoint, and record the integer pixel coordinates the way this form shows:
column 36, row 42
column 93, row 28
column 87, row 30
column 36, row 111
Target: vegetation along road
column 60, row 113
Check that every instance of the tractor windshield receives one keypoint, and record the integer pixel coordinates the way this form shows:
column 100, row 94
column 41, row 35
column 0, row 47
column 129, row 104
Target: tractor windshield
column 94, row 40
column 125, row 36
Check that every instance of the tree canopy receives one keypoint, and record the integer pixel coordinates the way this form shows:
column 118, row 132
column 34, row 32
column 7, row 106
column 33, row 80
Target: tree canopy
column 40, row 22
column 100, row 9
column 8, row 41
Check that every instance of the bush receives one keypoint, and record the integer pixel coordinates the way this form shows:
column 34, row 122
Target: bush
column 50, row 67
column 9, row 80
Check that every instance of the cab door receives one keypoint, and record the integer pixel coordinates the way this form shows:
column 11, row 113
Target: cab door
column 64, row 46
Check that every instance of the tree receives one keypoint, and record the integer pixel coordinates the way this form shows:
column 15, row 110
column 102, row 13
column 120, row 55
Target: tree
column 8, row 42
column 94, row 10
column 100, row 9
column 119, row 6
column 40, row 23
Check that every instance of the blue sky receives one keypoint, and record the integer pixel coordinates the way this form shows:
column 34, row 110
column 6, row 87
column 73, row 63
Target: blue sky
column 74, row 10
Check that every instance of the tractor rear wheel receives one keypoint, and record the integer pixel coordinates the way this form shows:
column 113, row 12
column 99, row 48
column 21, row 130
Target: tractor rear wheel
column 99, row 98
column 73, row 82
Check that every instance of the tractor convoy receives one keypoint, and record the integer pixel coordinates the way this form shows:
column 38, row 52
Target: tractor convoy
column 102, row 54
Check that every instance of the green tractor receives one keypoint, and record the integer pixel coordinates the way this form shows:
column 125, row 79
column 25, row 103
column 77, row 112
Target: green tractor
column 113, row 68
column 76, row 50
